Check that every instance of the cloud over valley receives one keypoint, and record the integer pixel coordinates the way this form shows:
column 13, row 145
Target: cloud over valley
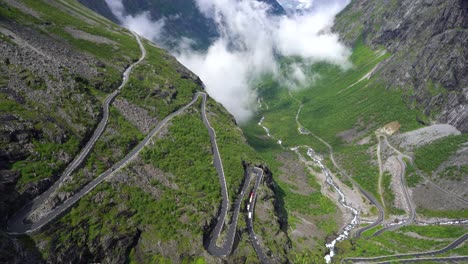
column 251, row 41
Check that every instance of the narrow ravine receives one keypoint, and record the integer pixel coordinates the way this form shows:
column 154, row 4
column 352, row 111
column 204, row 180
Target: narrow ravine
column 345, row 233
column 304, row 131
column 267, row 131
column 347, row 230
column 260, row 123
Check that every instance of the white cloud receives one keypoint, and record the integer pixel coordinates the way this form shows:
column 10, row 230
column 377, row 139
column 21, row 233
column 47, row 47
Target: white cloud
column 250, row 42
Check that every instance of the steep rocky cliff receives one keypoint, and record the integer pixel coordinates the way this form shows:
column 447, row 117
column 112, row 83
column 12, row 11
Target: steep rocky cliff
column 50, row 71
column 59, row 62
column 427, row 40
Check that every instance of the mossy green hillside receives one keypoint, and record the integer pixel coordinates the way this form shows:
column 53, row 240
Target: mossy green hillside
column 61, row 16
column 428, row 158
column 405, row 240
column 176, row 216
column 160, row 84
column 117, row 140
column 57, row 121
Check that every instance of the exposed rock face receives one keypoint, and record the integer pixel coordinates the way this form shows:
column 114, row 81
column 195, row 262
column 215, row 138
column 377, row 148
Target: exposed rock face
column 428, row 40
column 47, row 110
column 14, row 250
column 106, row 249
column 42, row 84
column 181, row 18
column 137, row 115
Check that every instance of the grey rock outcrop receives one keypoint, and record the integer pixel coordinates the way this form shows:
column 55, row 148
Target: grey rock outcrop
column 428, row 40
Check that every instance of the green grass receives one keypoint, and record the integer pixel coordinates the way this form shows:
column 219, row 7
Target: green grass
column 4, row 37
column 313, row 204
column 157, row 84
column 454, row 172
column 436, row 231
column 9, row 106
column 233, row 148
column 44, row 164
column 109, row 149
column 356, row 161
column 186, row 153
column 398, row 242
column 428, row 158
column 412, row 178
column 390, row 243
column 60, row 19
column 458, row 214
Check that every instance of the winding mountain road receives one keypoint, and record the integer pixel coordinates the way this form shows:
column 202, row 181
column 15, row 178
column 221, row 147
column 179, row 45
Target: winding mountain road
column 227, row 246
column 228, row 241
column 420, row 173
column 17, row 224
column 404, row 187
column 454, row 259
column 250, row 226
column 13, row 225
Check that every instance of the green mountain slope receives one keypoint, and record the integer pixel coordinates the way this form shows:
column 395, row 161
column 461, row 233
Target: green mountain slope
column 407, row 77
column 428, row 47
column 59, row 62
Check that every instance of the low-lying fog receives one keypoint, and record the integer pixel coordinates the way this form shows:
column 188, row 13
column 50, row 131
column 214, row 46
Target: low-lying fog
column 250, row 43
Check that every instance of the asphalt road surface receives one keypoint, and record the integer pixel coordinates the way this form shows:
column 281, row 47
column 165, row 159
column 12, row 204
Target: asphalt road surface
column 250, row 216
column 228, row 241
column 456, row 259
column 409, row 202
column 17, row 225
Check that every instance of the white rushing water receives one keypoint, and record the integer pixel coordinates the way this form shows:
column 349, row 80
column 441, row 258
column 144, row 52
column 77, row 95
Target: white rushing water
column 260, row 123
column 329, row 180
column 347, row 230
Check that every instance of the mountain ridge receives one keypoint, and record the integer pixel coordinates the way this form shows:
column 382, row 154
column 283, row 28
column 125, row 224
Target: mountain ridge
column 427, row 42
